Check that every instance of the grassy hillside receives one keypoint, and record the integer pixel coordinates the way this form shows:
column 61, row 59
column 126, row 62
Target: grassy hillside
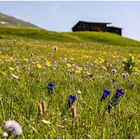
column 6, row 20
column 39, row 70
column 40, row 34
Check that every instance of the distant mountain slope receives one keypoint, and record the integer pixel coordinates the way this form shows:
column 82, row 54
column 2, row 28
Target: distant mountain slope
column 6, row 20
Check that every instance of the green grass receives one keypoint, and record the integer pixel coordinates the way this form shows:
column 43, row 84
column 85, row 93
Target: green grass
column 71, row 37
column 96, row 54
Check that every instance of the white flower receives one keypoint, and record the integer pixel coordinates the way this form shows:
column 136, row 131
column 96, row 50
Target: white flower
column 11, row 126
column 45, row 121
column 124, row 75
column 60, row 126
column 113, row 70
column 79, row 92
column 5, row 134
column 16, row 77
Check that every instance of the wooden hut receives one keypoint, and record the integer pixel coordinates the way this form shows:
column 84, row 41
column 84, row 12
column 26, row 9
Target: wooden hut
column 90, row 26
column 116, row 30
column 96, row 26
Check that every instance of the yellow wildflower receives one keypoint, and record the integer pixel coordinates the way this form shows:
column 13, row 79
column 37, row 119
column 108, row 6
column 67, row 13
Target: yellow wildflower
column 72, row 58
column 48, row 63
column 88, row 73
column 69, row 65
column 39, row 66
column 2, row 73
column 103, row 67
column 79, row 70
column 11, row 68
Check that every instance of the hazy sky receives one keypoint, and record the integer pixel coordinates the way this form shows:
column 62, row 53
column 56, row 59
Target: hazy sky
column 63, row 15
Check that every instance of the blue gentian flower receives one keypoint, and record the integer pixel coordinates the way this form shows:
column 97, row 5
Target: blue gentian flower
column 71, row 100
column 105, row 94
column 131, row 86
column 119, row 93
column 115, row 101
column 50, row 87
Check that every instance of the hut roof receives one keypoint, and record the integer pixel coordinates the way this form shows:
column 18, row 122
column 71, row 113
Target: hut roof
column 101, row 23
column 114, row 27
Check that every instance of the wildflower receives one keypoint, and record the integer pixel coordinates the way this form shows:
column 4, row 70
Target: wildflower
column 5, row 135
column 131, row 86
column 50, row 87
column 45, row 122
column 78, row 70
column 79, row 91
column 17, row 68
column 124, row 75
column 105, row 94
column 119, row 93
column 48, row 63
column 2, row 73
column 11, row 68
column 71, row 100
column 70, row 72
column 69, row 65
column 14, row 41
column 113, row 71
column 91, row 77
column 12, row 127
column 115, row 101
column 39, row 66
column 16, row 77
column 55, row 48
column 60, row 125
column 103, row 67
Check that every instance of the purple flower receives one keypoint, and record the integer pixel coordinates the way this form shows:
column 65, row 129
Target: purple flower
column 131, row 86
column 119, row 93
column 71, row 100
column 12, row 127
column 105, row 94
column 50, row 87
column 113, row 70
column 124, row 75
column 115, row 101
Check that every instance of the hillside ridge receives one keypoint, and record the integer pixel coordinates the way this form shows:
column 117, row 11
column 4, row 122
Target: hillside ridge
column 6, row 20
column 71, row 37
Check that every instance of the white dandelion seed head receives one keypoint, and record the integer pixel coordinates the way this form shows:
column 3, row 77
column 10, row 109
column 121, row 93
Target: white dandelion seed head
column 5, row 134
column 11, row 126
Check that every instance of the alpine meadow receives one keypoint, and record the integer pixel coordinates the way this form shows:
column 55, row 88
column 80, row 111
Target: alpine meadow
column 81, row 85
